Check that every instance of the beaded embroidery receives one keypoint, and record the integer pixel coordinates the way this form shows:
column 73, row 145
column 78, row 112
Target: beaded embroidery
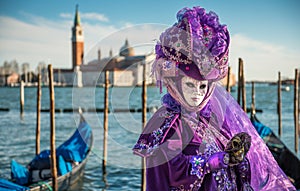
column 145, row 146
column 224, row 183
column 173, row 46
column 193, row 187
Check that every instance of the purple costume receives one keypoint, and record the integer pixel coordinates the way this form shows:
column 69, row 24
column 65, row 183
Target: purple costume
column 186, row 148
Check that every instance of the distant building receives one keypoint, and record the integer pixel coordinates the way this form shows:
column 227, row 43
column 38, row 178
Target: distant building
column 126, row 69
column 12, row 79
column 9, row 73
column 2, row 77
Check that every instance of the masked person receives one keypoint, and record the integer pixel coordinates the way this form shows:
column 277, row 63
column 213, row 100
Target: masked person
column 200, row 139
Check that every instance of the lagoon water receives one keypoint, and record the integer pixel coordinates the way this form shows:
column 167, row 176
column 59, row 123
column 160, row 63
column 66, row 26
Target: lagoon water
column 17, row 133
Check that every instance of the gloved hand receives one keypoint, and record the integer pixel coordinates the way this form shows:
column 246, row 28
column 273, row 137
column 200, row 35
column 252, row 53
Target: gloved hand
column 218, row 160
column 201, row 166
column 238, row 147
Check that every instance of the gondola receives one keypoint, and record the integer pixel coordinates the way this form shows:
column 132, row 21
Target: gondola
column 72, row 157
column 286, row 159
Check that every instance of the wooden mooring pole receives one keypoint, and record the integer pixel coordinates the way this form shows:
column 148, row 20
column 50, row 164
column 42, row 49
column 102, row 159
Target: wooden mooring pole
column 21, row 97
column 239, row 81
column 105, row 122
column 228, row 79
column 38, row 116
column 242, row 84
column 279, row 105
column 52, row 127
column 144, row 120
column 253, row 99
column 296, row 111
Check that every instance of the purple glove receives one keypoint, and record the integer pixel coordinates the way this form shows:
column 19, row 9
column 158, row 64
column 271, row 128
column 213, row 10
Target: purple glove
column 218, row 161
column 201, row 166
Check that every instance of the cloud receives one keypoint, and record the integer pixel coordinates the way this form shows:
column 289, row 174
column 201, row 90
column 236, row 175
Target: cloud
column 34, row 42
column 66, row 15
column 42, row 21
column 41, row 39
column 86, row 16
column 141, row 38
column 94, row 16
column 262, row 60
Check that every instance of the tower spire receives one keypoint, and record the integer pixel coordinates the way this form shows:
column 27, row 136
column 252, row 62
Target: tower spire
column 77, row 17
column 77, row 41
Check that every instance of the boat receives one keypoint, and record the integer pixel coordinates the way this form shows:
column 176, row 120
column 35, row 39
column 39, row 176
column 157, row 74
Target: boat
column 286, row 159
column 72, row 157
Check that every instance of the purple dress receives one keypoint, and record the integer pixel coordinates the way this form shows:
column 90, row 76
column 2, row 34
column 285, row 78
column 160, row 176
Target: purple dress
column 185, row 151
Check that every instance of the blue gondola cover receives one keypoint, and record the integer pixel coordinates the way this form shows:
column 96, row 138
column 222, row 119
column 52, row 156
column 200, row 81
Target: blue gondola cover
column 19, row 173
column 6, row 185
column 262, row 130
column 73, row 151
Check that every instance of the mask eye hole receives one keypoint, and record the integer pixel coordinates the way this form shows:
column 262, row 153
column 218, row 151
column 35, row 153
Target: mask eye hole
column 203, row 86
column 190, row 85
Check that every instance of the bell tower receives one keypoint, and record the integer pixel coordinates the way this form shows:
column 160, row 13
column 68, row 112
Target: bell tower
column 77, row 41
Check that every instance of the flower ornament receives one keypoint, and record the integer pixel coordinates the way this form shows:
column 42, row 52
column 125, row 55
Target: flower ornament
column 167, row 65
column 197, row 166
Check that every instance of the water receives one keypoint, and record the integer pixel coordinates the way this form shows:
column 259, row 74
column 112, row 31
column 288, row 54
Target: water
column 17, row 133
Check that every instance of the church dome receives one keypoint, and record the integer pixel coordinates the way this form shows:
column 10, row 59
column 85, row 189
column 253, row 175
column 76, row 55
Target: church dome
column 126, row 50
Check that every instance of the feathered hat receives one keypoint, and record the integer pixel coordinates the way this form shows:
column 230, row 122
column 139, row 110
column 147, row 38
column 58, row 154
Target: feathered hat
column 196, row 45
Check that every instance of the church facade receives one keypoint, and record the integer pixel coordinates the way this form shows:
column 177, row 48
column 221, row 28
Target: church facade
column 125, row 69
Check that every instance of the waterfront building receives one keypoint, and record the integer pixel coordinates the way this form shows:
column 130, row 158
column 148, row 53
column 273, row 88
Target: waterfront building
column 12, row 79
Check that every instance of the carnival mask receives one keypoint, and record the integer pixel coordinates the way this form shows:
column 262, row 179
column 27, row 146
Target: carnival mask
column 193, row 90
column 238, row 147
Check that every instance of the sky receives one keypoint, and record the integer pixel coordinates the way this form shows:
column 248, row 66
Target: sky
column 264, row 33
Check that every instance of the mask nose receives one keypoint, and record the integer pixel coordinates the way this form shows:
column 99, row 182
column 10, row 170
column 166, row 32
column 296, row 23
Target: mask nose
column 198, row 90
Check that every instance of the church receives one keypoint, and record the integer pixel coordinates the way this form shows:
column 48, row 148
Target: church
column 125, row 69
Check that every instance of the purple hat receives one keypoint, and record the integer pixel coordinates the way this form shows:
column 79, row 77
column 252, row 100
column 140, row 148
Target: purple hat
column 197, row 45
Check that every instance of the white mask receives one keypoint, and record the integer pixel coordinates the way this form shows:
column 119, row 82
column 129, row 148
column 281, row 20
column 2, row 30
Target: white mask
column 193, row 90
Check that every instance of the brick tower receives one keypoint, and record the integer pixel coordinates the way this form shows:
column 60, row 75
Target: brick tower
column 77, row 41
